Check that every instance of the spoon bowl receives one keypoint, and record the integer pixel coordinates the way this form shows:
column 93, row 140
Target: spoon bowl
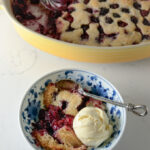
column 56, row 4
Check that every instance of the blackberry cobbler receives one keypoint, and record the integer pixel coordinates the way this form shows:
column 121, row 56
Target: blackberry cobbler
column 89, row 22
column 54, row 129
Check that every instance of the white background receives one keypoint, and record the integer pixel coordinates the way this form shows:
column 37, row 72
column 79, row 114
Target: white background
column 21, row 65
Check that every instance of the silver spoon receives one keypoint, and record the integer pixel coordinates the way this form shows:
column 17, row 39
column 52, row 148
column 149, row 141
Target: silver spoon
column 54, row 4
column 140, row 110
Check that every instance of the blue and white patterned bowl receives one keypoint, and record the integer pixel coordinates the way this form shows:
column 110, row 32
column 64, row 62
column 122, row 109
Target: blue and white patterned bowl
column 96, row 84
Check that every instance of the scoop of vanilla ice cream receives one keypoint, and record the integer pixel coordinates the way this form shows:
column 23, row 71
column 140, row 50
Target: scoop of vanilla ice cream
column 91, row 126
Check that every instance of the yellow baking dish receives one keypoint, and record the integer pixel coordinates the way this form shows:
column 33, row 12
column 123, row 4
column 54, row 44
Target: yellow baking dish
column 77, row 52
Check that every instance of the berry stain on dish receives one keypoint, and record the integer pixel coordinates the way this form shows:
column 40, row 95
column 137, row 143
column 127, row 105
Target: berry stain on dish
column 66, row 22
column 66, row 118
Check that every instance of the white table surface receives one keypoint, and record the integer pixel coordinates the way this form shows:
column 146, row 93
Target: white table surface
column 21, row 65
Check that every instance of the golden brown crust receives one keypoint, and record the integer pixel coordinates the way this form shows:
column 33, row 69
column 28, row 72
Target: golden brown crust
column 49, row 143
column 66, row 136
column 73, row 100
column 48, row 96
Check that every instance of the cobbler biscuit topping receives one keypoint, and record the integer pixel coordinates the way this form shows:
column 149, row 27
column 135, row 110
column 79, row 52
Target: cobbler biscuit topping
column 88, row 22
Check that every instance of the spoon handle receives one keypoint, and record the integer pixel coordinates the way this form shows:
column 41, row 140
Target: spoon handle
column 140, row 110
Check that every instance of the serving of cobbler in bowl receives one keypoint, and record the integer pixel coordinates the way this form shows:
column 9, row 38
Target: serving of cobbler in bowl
column 55, row 117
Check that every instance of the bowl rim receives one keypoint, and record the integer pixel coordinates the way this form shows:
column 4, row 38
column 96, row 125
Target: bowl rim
column 99, row 48
column 71, row 69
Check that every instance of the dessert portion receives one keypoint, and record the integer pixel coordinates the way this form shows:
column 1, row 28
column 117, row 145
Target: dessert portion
column 62, row 120
column 91, row 125
column 54, row 130
column 88, row 22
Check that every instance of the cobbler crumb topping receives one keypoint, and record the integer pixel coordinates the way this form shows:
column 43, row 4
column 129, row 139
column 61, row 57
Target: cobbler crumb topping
column 88, row 22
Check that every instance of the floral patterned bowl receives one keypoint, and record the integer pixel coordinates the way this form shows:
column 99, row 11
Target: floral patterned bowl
column 92, row 82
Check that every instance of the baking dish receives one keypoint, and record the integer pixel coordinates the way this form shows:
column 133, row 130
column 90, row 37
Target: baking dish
column 82, row 53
